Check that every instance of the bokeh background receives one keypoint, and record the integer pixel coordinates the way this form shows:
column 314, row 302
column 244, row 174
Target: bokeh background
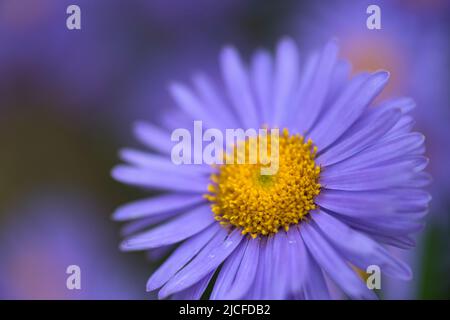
column 69, row 98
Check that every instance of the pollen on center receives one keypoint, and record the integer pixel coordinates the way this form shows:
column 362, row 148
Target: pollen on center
column 260, row 205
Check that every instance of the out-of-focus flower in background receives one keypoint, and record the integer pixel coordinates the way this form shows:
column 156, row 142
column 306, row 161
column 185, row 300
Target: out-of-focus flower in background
column 52, row 229
column 413, row 44
column 78, row 67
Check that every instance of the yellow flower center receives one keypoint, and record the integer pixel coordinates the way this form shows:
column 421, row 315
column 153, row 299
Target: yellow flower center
column 244, row 198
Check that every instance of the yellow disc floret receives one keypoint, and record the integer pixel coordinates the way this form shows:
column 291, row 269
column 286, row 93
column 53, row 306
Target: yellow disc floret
column 258, row 204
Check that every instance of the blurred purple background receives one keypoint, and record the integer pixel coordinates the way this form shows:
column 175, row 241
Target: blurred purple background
column 68, row 99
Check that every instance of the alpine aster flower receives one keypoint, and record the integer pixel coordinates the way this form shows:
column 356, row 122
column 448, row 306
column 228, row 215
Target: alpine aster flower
column 349, row 183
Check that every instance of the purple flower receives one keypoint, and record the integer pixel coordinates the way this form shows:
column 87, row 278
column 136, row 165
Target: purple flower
column 349, row 182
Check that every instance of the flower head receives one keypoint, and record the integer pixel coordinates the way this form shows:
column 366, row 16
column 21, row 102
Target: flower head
column 266, row 203
column 348, row 183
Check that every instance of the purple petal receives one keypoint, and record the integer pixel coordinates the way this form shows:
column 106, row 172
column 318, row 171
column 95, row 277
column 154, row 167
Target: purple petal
column 157, row 254
column 238, row 85
column 370, row 130
column 146, row 222
column 366, row 204
column 155, row 138
column 318, row 90
column 359, row 249
column 381, row 177
column 156, row 205
column 256, row 289
column 162, row 163
column 246, row 274
column 298, row 260
column 340, row 76
column 419, row 180
column 394, row 148
column 403, row 242
column 160, row 180
column 228, row 272
column 403, row 126
column 285, row 78
column 328, row 130
column 216, row 103
column 392, row 226
column 269, row 270
column 303, row 91
column 206, row 261
column 174, row 231
column 315, row 287
column 181, row 256
column 405, row 104
column 411, row 163
column 334, row 265
column 193, row 106
column 262, row 81
column 280, row 271
column 311, row 278
column 195, row 291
